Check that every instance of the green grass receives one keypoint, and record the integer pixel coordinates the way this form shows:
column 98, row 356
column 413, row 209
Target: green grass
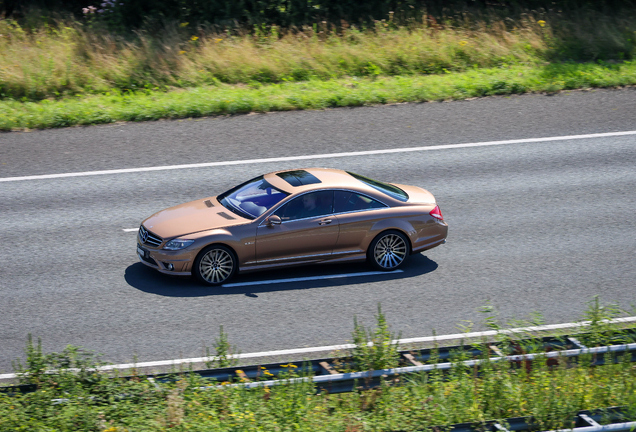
column 95, row 402
column 224, row 99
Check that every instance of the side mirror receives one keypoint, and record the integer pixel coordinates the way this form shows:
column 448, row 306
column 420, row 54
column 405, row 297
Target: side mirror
column 273, row 220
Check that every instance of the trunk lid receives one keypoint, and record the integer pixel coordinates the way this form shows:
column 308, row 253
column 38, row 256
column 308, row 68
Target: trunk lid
column 417, row 195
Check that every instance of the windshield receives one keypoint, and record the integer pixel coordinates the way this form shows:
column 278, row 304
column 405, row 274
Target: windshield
column 252, row 198
column 388, row 189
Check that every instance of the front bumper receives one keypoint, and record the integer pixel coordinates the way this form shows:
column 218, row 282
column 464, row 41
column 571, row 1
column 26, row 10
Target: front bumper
column 159, row 260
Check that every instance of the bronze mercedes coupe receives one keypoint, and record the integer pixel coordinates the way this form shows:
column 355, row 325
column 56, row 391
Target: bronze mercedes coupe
column 295, row 217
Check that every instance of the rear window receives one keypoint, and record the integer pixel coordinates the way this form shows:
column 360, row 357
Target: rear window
column 385, row 188
column 346, row 201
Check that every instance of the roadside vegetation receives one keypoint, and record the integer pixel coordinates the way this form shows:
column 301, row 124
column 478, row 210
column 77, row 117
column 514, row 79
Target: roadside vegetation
column 86, row 71
column 225, row 99
column 77, row 397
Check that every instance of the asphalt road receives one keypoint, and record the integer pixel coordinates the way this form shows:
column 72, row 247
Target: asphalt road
column 533, row 227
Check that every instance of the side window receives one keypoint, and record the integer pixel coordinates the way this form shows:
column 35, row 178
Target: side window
column 350, row 201
column 309, row 205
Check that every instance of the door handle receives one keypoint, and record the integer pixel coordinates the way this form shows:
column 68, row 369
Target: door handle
column 324, row 222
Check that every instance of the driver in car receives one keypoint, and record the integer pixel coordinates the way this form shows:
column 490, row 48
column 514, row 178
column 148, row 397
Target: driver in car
column 311, row 207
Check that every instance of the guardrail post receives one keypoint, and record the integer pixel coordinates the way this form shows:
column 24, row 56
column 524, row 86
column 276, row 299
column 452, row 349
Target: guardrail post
column 590, row 420
column 411, row 359
column 499, row 427
column 326, row 366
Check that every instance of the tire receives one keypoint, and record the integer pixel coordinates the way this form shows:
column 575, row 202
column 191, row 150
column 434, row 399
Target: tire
column 215, row 265
column 388, row 250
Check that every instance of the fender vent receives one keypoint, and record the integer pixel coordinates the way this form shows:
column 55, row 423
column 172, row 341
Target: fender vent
column 208, row 203
column 226, row 216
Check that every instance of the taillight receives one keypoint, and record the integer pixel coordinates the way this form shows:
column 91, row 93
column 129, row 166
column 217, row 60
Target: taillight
column 437, row 213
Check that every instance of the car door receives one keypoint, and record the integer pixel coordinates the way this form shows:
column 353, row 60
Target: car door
column 306, row 233
column 357, row 213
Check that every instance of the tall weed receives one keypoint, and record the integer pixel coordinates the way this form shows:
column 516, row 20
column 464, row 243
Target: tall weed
column 375, row 348
column 70, row 58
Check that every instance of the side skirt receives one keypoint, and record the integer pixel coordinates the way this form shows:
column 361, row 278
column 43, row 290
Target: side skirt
column 327, row 260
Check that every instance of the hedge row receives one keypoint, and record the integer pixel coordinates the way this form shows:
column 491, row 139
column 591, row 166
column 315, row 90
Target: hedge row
column 286, row 13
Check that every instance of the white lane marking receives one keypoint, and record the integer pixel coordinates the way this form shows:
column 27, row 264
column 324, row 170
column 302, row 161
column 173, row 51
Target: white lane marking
column 130, row 229
column 317, row 156
column 457, row 336
column 309, row 278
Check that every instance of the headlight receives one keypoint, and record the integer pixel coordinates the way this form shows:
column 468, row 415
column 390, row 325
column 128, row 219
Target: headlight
column 177, row 244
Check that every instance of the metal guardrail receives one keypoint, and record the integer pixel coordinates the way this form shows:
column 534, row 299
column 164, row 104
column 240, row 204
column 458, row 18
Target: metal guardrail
column 576, row 327
column 324, row 374
column 583, row 421
column 346, row 382
column 323, row 371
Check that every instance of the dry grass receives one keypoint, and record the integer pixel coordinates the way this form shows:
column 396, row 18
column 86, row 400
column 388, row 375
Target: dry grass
column 71, row 59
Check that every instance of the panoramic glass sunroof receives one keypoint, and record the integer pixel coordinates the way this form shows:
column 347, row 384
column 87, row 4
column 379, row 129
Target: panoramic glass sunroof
column 298, row 178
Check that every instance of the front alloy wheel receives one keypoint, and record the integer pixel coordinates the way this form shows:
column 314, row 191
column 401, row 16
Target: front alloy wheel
column 215, row 265
column 389, row 250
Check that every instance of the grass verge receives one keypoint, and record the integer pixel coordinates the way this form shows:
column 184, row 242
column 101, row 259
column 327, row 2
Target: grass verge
column 223, row 99
column 85, row 399
column 552, row 395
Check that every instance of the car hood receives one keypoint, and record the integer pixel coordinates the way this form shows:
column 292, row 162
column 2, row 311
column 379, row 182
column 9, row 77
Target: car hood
column 417, row 195
column 192, row 217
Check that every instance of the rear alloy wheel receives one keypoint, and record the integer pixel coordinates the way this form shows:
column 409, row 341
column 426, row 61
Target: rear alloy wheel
column 388, row 250
column 215, row 265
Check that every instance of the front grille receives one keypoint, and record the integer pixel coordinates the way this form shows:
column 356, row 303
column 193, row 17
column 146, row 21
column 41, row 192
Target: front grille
column 148, row 237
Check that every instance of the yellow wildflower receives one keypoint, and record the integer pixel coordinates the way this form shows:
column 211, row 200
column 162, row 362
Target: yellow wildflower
column 541, row 23
column 194, row 38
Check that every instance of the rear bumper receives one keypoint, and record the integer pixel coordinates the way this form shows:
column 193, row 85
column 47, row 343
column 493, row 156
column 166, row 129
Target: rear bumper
column 429, row 245
column 435, row 236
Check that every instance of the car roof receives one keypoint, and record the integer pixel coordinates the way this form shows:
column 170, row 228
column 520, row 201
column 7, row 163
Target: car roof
column 328, row 178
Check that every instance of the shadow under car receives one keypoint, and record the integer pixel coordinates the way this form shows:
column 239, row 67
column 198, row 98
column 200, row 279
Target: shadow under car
column 312, row 276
